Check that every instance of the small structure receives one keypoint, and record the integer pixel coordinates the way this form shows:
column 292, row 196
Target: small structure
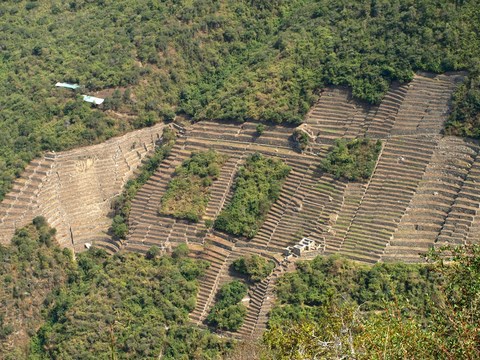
column 93, row 99
column 303, row 246
column 67, row 85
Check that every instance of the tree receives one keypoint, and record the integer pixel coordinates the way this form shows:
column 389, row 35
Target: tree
column 255, row 267
column 260, row 128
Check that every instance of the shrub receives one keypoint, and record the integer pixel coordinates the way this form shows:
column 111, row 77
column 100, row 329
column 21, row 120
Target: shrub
column 119, row 227
column 300, row 139
column 153, row 252
column 255, row 267
column 208, row 223
column 257, row 186
column 181, row 251
column 352, row 160
column 260, row 128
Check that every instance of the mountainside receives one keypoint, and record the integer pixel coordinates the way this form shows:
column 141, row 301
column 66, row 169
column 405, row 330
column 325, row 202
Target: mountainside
column 237, row 141
column 230, row 60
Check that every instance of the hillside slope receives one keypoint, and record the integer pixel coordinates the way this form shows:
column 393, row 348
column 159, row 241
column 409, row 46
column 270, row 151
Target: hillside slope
column 210, row 59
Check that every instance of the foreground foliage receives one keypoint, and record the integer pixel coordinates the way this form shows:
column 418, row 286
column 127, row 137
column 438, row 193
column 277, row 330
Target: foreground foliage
column 29, row 268
column 352, row 159
column 188, row 193
column 123, row 306
column 332, row 308
column 230, row 60
column 228, row 312
column 257, row 186
column 254, row 266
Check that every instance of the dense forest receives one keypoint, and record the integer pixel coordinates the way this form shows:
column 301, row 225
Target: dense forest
column 98, row 306
column 334, row 308
column 231, row 60
column 464, row 119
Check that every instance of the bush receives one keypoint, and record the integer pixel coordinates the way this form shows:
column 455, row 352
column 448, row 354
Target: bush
column 300, row 139
column 153, row 252
column 180, row 251
column 257, row 186
column 119, row 227
column 255, row 267
column 352, row 160
column 260, row 128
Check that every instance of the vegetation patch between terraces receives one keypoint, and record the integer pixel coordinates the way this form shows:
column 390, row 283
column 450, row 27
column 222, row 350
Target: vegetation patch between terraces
column 352, row 159
column 228, row 313
column 464, row 119
column 257, row 186
column 188, row 192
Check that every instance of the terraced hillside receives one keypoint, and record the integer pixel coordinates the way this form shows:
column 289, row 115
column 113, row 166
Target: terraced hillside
column 73, row 189
column 424, row 190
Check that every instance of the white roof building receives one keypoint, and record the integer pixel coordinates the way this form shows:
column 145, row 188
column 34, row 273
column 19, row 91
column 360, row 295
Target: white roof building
column 93, row 99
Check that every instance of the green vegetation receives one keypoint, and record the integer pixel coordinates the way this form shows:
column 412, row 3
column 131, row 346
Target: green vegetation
column 257, row 186
column 353, row 160
column 318, row 284
column 153, row 296
column 333, row 308
column 228, row 312
column 98, row 306
column 260, row 129
column 211, row 59
column 29, row 268
column 300, row 139
column 188, row 192
column 465, row 117
column 123, row 202
column 254, row 266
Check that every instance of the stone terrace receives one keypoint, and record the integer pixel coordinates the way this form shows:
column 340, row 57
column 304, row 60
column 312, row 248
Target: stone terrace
column 73, row 189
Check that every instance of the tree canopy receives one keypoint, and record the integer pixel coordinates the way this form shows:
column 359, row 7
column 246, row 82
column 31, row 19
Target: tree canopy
column 334, row 308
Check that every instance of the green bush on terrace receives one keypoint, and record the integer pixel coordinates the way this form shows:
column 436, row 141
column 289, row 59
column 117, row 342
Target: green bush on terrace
column 228, row 313
column 188, row 193
column 352, row 160
column 256, row 188
column 254, row 266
